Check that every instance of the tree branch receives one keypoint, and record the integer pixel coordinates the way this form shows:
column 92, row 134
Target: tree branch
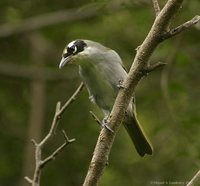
column 28, row 179
column 182, row 27
column 153, row 67
column 58, row 150
column 95, row 118
column 71, row 100
column 53, row 125
column 156, row 6
column 194, row 179
column 106, row 138
column 39, row 163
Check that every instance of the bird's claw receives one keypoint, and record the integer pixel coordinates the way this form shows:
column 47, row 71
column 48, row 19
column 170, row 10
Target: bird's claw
column 105, row 125
column 144, row 72
column 120, row 84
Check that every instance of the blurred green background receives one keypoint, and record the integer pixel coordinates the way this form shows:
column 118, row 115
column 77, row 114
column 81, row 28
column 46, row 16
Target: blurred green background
column 32, row 37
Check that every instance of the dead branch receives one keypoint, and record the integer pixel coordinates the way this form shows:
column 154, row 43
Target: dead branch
column 182, row 27
column 28, row 179
column 194, row 180
column 71, row 100
column 106, row 138
column 58, row 150
column 153, row 67
column 156, row 6
column 39, row 163
column 95, row 118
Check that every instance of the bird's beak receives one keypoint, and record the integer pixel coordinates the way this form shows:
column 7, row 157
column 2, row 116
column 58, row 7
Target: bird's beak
column 64, row 61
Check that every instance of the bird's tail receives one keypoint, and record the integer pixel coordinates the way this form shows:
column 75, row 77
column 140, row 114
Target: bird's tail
column 135, row 131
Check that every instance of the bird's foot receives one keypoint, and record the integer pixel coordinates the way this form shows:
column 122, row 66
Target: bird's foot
column 144, row 72
column 105, row 124
column 120, row 84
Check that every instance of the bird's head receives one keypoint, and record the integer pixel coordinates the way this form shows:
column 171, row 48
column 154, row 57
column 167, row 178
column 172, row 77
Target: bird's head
column 74, row 50
column 80, row 51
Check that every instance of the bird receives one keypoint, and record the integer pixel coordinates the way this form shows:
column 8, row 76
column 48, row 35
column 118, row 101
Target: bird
column 102, row 71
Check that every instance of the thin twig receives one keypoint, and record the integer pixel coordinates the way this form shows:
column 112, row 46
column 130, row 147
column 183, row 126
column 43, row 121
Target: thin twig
column 53, row 125
column 154, row 66
column 28, row 179
column 156, row 6
column 34, row 142
column 72, row 99
column 58, row 150
column 194, row 179
column 182, row 27
column 95, row 118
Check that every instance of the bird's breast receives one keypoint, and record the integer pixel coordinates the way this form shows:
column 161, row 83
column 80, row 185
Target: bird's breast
column 101, row 90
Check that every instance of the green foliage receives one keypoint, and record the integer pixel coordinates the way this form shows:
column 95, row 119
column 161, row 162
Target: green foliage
column 175, row 138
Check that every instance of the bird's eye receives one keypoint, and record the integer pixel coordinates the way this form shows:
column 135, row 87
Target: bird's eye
column 75, row 49
column 72, row 49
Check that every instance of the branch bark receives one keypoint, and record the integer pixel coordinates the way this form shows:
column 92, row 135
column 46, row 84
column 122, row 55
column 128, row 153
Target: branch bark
column 182, row 27
column 106, row 138
column 194, row 179
column 156, row 6
column 96, row 118
column 153, row 67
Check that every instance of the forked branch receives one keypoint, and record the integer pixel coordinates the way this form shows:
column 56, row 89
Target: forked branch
column 156, row 6
column 182, row 27
column 152, row 67
column 39, row 162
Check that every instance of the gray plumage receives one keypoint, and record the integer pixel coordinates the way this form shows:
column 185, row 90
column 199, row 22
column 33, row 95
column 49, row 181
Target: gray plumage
column 101, row 70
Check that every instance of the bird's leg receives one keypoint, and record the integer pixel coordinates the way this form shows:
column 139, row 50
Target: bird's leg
column 120, row 84
column 105, row 123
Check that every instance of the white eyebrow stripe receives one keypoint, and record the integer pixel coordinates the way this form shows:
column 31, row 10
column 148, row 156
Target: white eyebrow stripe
column 75, row 49
column 71, row 44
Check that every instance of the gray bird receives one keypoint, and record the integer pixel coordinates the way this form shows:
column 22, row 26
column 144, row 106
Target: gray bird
column 101, row 70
